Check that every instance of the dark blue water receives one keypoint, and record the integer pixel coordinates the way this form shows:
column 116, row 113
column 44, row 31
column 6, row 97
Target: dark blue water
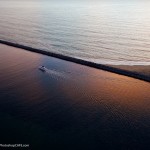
column 70, row 106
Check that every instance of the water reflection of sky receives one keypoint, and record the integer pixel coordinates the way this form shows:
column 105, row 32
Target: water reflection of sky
column 113, row 32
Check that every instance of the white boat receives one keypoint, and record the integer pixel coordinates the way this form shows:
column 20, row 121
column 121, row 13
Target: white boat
column 42, row 68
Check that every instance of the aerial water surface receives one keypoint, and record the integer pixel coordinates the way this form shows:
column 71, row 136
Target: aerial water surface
column 70, row 106
column 112, row 32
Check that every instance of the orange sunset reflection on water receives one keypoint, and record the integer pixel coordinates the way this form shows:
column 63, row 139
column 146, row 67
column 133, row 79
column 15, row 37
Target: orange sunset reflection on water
column 84, row 84
column 95, row 87
column 73, row 102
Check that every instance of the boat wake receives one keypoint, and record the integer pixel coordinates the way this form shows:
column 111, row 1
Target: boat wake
column 54, row 73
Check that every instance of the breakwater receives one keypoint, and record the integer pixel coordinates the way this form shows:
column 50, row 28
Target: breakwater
column 80, row 61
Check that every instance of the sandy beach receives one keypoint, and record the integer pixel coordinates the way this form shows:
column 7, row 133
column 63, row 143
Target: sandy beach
column 70, row 106
column 145, row 70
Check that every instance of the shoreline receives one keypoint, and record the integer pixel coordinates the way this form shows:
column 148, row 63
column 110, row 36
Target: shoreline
column 141, row 69
column 109, row 68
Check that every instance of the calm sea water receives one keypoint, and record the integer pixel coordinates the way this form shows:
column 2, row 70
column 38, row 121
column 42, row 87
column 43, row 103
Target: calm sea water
column 103, row 32
column 70, row 106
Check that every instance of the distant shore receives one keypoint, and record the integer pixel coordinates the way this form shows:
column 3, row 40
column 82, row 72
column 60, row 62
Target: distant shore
column 141, row 69
column 131, row 71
